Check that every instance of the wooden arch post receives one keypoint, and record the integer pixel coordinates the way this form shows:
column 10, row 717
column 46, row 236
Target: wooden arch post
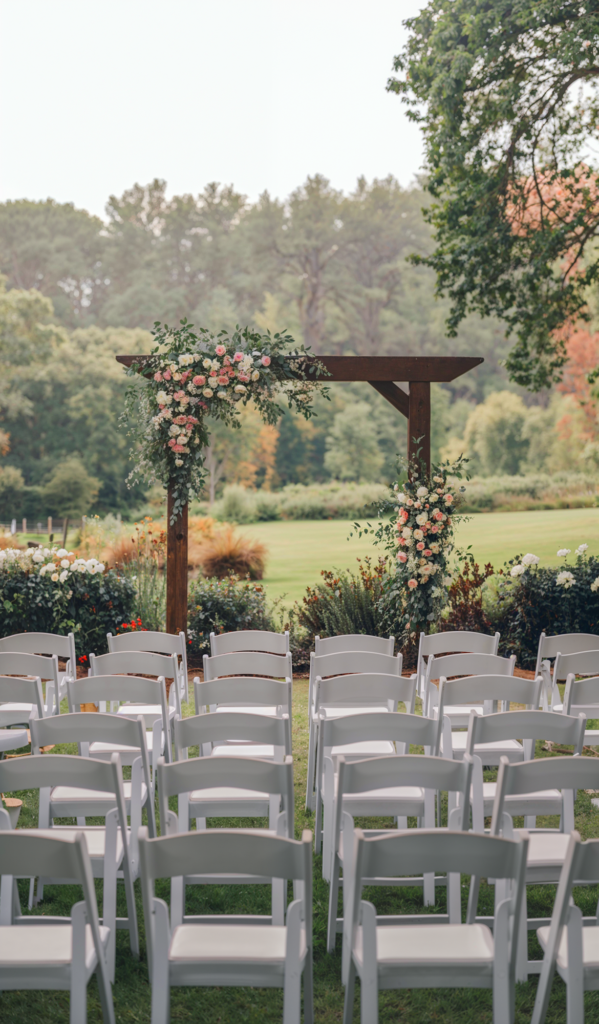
column 384, row 374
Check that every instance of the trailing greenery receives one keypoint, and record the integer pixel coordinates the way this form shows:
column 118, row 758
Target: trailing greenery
column 221, row 606
column 508, row 99
column 89, row 605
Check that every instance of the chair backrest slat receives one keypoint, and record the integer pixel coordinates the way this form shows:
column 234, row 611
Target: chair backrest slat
column 581, row 694
column 147, row 640
column 396, row 728
column 244, row 640
column 417, row 850
column 242, row 690
column 527, row 725
column 21, row 664
column 469, row 665
column 81, row 727
column 354, row 642
column 438, row 773
column 40, row 643
column 565, row 643
column 235, row 725
column 115, row 688
column 584, row 663
column 138, row 663
column 477, row 689
column 248, row 663
column 345, row 662
column 458, row 642
column 365, row 688
column 22, row 691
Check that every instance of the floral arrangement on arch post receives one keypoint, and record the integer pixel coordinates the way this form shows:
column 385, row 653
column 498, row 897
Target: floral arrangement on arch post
column 191, row 375
column 419, row 535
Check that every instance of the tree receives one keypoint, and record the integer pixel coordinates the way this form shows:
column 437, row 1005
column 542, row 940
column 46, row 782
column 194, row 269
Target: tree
column 507, row 96
column 494, row 434
column 352, row 445
column 70, row 491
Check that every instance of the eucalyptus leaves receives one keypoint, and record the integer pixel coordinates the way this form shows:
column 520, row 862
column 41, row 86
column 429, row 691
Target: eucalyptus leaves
column 192, row 375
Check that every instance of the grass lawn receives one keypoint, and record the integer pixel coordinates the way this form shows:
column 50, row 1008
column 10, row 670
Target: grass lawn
column 263, row 1006
column 299, row 550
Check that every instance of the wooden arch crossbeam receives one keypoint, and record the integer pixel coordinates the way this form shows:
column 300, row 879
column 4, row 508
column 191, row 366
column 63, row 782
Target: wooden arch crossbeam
column 384, row 374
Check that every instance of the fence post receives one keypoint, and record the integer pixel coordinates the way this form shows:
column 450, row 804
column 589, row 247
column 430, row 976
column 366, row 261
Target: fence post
column 49, row 525
column 13, row 526
column 24, row 530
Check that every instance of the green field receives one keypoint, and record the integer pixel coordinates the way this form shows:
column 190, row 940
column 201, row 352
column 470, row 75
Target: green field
column 299, row 550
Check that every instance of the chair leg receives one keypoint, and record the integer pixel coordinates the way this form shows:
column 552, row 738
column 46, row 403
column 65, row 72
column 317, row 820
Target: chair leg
column 318, row 818
column 308, row 989
column 369, row 1001
column 522, row 949
column 311, row 763
column 333, row 904
column 348, row 1005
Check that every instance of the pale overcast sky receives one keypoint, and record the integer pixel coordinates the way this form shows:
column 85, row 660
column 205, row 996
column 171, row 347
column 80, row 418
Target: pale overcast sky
column 98, row 94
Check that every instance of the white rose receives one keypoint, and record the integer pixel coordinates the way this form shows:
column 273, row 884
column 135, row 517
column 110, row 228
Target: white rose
column 65, row 563
column 61, row 553
column 530, row 560
column 422, row 519
column 580, row 550
column 162, row 398
column 221, row 394
column 178, row 462
column 63, row 576
column 207, row 392
column 418, row 535
column 37, row 556
column 595, row 584
column 563, row 552
column 433, row 497
column 422, row 492
column 240, row 389
column 182, row 439
column 516, row 570
column 54, row 577
column 401, row 496
column 256, row 375
column 186, row 360
column 100, row 567
column 173, row 429
column 406, row 532
column 565, row 579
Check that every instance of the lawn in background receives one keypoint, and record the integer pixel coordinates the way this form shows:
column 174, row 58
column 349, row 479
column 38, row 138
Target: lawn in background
column 297, row 551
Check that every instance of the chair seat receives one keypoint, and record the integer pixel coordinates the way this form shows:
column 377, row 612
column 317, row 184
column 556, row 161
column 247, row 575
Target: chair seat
column 590, row 947
column 546, row 849
column 52, row 944
column 265, row 750
column 489, row 753
column 217, row 794
column 365, row 748
column 253, row 709
column 441, row 945
column 548, row 801
column 396, row 800
column 103, row 751
column 12, row 739
column 149, row 712
column 95, row 837
column 328, row 711
column 232, row 942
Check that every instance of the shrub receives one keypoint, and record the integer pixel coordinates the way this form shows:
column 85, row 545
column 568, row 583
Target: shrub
column 296, row 501
column 89, row 602
column 344, row 602
column 221, row 606
column 465, row 608
column 533, row 491
column 236, row 505
column 228, row 552
column 70, row 490
column 522, row 607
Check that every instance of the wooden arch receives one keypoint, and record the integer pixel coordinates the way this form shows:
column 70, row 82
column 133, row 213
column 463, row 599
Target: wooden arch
column 384, row 374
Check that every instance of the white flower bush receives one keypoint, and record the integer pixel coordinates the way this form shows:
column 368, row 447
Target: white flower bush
column 565, row 579
column 58, row 563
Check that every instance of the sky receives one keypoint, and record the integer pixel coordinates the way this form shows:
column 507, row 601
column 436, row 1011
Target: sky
column 96, row 95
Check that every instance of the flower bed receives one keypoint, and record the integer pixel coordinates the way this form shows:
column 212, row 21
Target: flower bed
column 50, row 590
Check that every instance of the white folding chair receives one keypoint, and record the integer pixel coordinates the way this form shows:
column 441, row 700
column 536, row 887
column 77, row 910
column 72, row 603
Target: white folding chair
column 356, row 737
column 461, row 665
column 324, row 666
column 582, row 663
column 524, row 727
column 145, row 697
column 48, row 644
column 128, row 735
column 360, row 693
column 247, row 694
column 155, row 643
column 141, row 663
column 46, row 669
column 568, row 946
column 453, row 642
column 432, row 951
column 21, row 700
column 582, row 695
column 400, row 786
column 491, row 690
column 229, row 787
column 547, row 849
column 53, row 952
column 248, row 665
column 354, row 642
column 550, row 647
column 234, row 735
column 112, row 850
column 228, row 950
column 243, row 640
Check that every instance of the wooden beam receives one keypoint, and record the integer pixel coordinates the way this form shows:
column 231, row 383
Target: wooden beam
column 176, row 570
column 377, row 368
column 419, row 422
column 398, row 398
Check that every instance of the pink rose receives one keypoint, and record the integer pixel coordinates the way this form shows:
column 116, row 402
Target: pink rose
column 199, row 381
column 231, row 373
column 213, row 373
column 448, row 499
column 192, row 419
column 420, row 546
column 158, row 375
column 180, row 419
column 434, row 528
column 402, row 557
column 265, row 360
column 238, row 357
column 438, row 515
column 178, row 448
column 226, row 361
column 427, row 553
column 179, row 395
column 223, row 381
column 167, row 374
column 220, row 350
column 172, row 443
column 412, row 584
column 189, row 427
column 244, row 377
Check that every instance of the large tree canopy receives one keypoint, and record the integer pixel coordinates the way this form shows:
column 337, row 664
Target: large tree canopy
column 506, row 93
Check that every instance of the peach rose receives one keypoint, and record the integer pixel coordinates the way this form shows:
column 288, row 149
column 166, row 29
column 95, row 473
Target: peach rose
column 158, row 376
column 199, row 381
column 402, row 557
column 420, row 546
column 265, row 360
column 412, row 584
column 220, row 350
column 238, row 357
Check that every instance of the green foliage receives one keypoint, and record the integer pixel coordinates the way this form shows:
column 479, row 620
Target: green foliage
column 344, row 602
column 530, row 491
column 523, row 607
column 507, row 97
column 494, row 434
column 70, row 491
column 319, row 501
column 220, row 606
column 352, row 449
column 89, row 605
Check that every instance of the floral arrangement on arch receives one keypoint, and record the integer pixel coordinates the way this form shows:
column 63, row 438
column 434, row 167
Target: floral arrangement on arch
column 419, row 535
column 190, row 376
